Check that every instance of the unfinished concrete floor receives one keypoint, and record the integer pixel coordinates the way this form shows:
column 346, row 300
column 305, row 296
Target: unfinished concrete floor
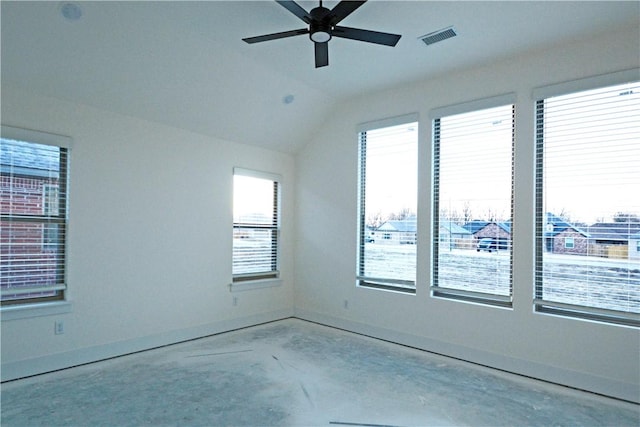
column 296, row 373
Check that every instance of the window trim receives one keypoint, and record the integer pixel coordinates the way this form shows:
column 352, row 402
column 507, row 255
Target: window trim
column 25, row 307
column 569, row 243
column 36, row 309
column 501, row 301
column 391, row 285
column 247, row 281
column 587, row 83
column 539, row 94
column 475, row 105
column 388, row 122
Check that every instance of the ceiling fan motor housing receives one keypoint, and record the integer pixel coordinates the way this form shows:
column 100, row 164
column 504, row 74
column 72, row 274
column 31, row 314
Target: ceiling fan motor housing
column 320, row 26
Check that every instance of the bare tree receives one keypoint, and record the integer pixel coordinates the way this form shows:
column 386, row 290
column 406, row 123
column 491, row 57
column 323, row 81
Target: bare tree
column 467, row 215
column 490, row 215
column 449, row 215
column 626, row 217
column 565, row 215
column 403, row 214
column 376, row 220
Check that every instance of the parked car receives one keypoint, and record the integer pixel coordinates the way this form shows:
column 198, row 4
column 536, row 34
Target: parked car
column 490, row 244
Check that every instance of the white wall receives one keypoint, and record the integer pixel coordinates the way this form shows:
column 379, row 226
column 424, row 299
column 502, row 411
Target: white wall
column 583, row 354
column 149, row 250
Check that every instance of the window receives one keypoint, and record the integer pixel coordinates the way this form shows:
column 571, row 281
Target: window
column 587, row 187
column 256, row 225
column 387, row 203
column 33, row 196
column 473, row 201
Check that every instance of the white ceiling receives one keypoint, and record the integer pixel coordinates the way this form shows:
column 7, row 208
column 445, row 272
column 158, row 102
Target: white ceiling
column 184, row 63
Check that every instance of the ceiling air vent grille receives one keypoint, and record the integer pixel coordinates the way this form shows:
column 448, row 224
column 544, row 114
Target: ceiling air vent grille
column 438, row 36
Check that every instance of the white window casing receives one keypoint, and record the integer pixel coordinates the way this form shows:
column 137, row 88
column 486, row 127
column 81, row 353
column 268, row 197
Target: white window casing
column 387, row 204
column 473, row 200
column 587, row 204
column 256, row 229
column 34, row 171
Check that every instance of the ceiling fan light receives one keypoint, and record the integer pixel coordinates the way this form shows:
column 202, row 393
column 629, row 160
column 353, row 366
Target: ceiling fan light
column 320, row 36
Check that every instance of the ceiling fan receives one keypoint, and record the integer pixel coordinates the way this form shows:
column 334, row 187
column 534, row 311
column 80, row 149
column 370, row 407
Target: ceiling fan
column 323, row 25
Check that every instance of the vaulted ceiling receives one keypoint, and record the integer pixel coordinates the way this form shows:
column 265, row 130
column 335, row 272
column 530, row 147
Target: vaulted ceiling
column 185, row 64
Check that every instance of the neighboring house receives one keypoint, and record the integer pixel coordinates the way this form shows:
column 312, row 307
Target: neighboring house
column 562, row 237
column 369, row 234
column 498, row 230
column 452, row 235
column 403, row 231
column 482, row 229
column 612, row 239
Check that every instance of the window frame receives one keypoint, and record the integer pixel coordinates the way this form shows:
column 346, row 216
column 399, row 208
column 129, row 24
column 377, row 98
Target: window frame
column 362, row 280
column 264, row 278
column 58, row 302
column 541, row 305
column 502, row 301
column 569, row 243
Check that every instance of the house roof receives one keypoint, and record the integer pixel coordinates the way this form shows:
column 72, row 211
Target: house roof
column 554, row 225
column 613, row 230
column 454, row 228
column 408, row 225
column 476, row 225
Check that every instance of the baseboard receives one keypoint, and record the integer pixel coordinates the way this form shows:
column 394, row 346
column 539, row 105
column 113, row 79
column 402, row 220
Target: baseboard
column 574, row 379
column 68, row 359
column 578, row 380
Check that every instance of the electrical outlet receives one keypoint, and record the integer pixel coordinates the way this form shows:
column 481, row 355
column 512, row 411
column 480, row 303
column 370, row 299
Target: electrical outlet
column 235, row 301
column 58, row 328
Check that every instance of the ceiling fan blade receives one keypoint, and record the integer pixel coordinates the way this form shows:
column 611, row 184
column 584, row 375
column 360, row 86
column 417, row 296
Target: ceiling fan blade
column 322, row 54
column 366, row 35
column 276, row 36
column 296, row 9
column 344, row 9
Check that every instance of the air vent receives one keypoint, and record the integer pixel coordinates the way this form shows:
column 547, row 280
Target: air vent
column 438, row 36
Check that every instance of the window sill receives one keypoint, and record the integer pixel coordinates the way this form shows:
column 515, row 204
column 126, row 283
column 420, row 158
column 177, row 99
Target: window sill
column 386, row 287
column 26, row 311
column 493, row 300
column 254, row 284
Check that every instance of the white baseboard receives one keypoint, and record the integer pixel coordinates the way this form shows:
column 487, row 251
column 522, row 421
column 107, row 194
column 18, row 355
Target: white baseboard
column 68, row 359
column 565, row 377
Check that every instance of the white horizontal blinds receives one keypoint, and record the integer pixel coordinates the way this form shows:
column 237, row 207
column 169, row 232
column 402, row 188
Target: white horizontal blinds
column 255, row 226
column 388, row 183
column 33, row 221
column 588, row 203
column 473, row 167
